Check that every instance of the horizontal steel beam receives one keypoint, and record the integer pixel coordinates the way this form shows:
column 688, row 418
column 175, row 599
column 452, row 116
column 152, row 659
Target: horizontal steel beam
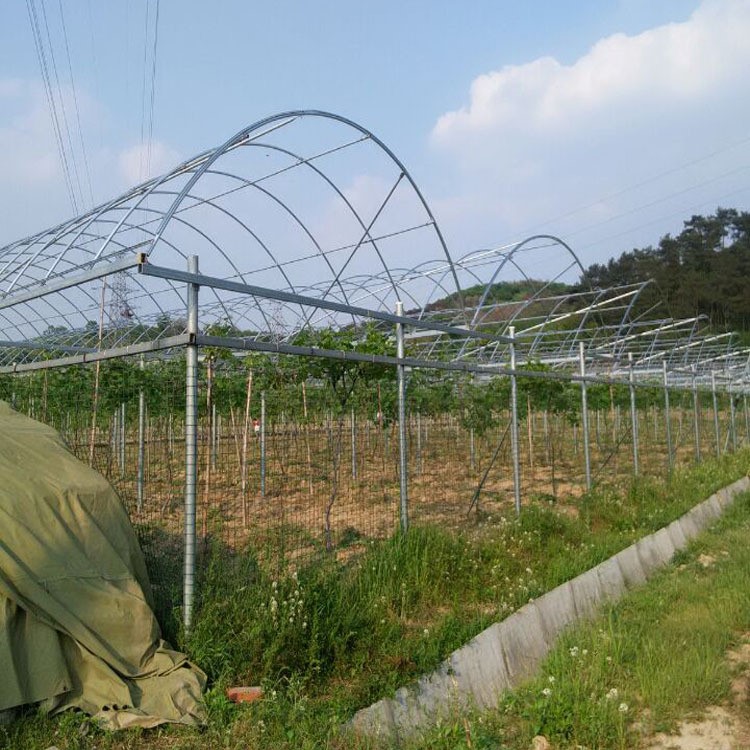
column 147, row 269
column 44, row 289
column 49, row 346
column 269, row 347
column 170, row 342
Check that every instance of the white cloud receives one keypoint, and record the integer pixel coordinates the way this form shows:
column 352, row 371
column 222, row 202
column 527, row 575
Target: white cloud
column 669, row 64
column 26, row 142
column 33, row 194
column 136, row 164
column 537, row 139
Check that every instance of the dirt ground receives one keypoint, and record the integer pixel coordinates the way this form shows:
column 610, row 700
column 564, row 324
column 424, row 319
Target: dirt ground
column 725, row 727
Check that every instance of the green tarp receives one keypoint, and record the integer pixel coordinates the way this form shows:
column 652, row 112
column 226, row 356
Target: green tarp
column 77, row 629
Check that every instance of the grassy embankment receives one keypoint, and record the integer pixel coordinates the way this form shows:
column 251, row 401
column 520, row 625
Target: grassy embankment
column 331, row 639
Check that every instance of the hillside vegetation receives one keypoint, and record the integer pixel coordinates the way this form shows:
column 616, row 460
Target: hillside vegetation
column 704, row 270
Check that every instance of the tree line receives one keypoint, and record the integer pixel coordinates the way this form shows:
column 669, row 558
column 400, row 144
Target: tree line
column 704, row 270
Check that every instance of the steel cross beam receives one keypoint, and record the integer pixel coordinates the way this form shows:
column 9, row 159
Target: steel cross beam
column 148, row 269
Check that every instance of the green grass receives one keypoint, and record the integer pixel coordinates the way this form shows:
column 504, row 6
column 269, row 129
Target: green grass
column 332, row 638
column 656, row 657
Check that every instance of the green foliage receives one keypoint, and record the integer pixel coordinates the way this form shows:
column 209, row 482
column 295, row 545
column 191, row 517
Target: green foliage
column 499, row 292
column 703, row 270
column 556, row 396
column 430, row 395
column 477, row 407
column 345, row 377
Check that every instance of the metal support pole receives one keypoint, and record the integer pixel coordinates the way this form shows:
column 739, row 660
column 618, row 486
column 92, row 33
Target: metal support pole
column 122, row 439
column 141, row 436
column 717, row 431
column 191, row 446
column 419, row 440
column 667, row 422
column 263, row 444
column 747, row 419
column 514, row 420
column 696, row 418
column 354, row 445
column 401, row 374
column 584, row 415
column 732, row 423
column 633, row 413
column 114, row 442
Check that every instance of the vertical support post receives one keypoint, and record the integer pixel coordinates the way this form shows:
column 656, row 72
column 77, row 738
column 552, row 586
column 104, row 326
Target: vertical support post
column 584, row 415
column 214, row 435
column 262, row 443
column 419, row 439
column 696, row 417
column 667, row 419
column 633, row 413
column 141, row 435
column 715, row 401
column 514, row 420
column 402, row 448
column 472, row 457
column 115, row 441
column 191, row 446
column 598, row 431
column 354, row 446
column 122, row 439
column 732, row 423
column 747, row 419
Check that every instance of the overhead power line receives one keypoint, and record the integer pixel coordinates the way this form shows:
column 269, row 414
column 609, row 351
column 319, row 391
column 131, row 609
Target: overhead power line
column 65, row 127
column 51, row 102
column 148, row 90
column 153, row 91
column 87, row 171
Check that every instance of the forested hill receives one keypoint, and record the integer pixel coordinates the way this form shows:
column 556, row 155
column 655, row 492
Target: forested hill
column 703, row 270
column 500, row 292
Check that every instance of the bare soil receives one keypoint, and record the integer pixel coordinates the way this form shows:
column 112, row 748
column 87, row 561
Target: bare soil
column 725, row 727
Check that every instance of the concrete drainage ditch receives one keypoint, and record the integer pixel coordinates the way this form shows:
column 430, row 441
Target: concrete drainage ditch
column 509, row 652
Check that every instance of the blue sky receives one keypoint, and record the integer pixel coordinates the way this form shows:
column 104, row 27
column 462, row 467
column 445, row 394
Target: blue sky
column 604, row 122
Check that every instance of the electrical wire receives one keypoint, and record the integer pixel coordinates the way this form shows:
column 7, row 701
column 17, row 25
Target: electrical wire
column 674, row 214
column 66, row 127
column 44, row 69
column 642, row 183
column 662, row 199
column 141, row 175
column 153, row 91
column 77, row 108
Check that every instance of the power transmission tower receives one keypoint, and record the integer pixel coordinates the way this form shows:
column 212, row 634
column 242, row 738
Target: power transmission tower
column 119, row 311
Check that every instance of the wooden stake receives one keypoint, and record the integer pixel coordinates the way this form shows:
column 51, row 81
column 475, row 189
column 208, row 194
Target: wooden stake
column 95, row 404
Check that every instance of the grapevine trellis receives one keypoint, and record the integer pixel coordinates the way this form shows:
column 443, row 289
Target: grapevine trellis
column 243, row 348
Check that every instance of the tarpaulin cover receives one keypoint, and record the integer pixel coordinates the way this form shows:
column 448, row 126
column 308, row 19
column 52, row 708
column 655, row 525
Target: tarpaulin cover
column 77, row 628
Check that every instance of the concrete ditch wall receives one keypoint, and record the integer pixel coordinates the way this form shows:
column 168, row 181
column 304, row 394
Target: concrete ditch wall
column 509, row 652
